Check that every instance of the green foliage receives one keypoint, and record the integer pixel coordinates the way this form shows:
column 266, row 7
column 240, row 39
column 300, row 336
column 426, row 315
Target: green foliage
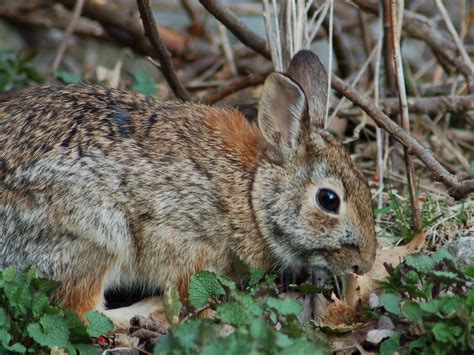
column 432, row 302
column 142, row 83
column 66, row 77
column 29, row 322
column 16, row 71
column 250, row 320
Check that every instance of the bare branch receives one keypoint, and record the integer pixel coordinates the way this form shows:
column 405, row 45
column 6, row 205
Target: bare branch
column 395, row 10
column 162, row 53
column 233, row 87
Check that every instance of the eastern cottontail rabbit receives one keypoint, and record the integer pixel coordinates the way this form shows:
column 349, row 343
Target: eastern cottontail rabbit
column 102, row 187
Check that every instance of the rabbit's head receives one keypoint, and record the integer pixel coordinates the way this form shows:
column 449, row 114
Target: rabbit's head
column 312, row 203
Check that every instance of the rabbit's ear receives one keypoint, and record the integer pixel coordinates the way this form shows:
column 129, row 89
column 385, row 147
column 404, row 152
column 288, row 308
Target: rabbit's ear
column 282, row 109
column 307, row 70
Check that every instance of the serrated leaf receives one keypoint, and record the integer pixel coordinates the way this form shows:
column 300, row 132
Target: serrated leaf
column 233, row 313
column 420, row 262
column 225, row 281
column 430, row 307
column 187, row 333
column 98, row 324
column 285, row 306
column 442, row 254
column 17, row 292
column 203, row 285
column 412, row 311
column 248, row 302
column 45, row 286
column 391, row 303
column 51, row 331
column 9, row 274
column 449, row 304
column 256, row 276
column 445, row 276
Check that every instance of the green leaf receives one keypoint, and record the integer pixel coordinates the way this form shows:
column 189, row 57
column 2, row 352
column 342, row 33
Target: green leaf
column 391, row 303
column 469, row 271
column 87, row 349
column 412, row 311
column 187, row 333
column 5, row 339
column 446, row 276
column 203, row 285
column 9, row 274
column 98, row 324
column 233, row 313
column 446, row 333
column 51, row 331
column 470, row 298
column 449, row 304
column 143, row 83
column 303, row 346
column 285, row 306
column 430, row 307
column 76, row 327
column 66, row 77
column 256, row 276
column 225, row 281
column 420, row 262
column 3, row 319
column 46, row 286
column 442, row 254
column 248, row 302
column 390, row 346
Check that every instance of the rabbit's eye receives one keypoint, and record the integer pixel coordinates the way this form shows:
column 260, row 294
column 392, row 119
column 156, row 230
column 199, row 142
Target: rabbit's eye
column 328, row 200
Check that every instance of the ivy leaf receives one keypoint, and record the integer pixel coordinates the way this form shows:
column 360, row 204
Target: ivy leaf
column 420, row 262
column 233, row 313
column 412, row 311
column 203, row 285
column 98, row 325
column 285, row 307
column 51, row 331
column 391, row 303
column 391, row 345
column 76, row 327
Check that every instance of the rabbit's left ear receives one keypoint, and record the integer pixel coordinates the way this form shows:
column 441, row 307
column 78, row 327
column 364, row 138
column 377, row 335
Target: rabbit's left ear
column 307, row 70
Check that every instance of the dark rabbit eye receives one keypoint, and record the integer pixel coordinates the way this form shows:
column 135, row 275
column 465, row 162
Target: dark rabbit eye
column 328, row 200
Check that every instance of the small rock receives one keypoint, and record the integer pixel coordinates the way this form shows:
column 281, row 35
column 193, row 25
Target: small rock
column 385, row 323
column 462, row 249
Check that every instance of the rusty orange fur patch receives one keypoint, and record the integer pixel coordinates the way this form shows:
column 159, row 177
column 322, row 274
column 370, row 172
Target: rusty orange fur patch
column 83, row 295
column 238, row 134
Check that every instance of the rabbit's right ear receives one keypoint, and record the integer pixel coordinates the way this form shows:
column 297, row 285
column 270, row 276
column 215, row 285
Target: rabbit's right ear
column 281, row 111
column 307, row 70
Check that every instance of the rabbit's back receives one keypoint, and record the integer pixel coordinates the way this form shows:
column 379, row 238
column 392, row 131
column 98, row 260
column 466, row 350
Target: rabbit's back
column 110, row 179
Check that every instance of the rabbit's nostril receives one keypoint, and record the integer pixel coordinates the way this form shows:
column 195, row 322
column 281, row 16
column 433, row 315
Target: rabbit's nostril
column 355, row 269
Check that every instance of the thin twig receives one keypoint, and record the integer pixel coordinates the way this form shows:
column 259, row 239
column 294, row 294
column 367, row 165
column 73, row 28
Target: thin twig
column 161, row 51
column 67, row 35
column 457, row 189
column 232, row 87
column 402, row 96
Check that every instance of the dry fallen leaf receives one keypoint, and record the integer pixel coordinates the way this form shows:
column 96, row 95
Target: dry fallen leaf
column 359, row 287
